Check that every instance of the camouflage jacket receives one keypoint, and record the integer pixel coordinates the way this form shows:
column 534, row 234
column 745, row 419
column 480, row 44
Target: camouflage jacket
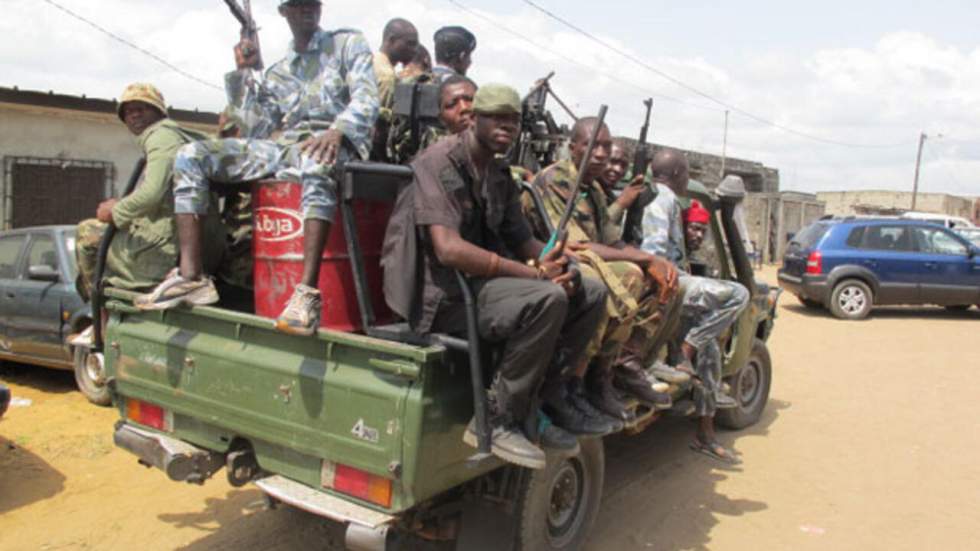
column 590, row 220
column 400, row 148
column 330, row 86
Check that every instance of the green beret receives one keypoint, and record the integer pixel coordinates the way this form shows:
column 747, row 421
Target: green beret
column 496, row 99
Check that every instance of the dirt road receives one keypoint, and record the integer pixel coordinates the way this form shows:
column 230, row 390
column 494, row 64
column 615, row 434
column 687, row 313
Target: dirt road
column 870, row 441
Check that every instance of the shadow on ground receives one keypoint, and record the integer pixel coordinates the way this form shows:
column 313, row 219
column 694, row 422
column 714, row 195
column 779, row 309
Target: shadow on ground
column 24, row 477
column 892, row 312
column 660, row 495
column 43, row 379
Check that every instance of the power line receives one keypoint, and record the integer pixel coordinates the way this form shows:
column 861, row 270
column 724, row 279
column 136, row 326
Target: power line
column 610, row 76
column 139, row 49
column 694, row 90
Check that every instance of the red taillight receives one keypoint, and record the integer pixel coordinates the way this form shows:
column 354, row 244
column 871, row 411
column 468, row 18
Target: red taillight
column 814, row 263
column 147, row 414
column 357, row 483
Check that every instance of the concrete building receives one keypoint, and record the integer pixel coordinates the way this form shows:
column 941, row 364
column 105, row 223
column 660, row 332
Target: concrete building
column 707, row 168
column 848, row 203
column 63, row 154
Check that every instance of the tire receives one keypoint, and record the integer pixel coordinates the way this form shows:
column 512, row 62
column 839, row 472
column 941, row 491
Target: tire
column 574, row 486
column 957, row 308
column 750, row 388
column 90, row 379
column 851, row 300
column 809, row 303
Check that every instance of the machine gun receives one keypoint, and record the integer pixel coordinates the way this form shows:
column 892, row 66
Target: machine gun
column 250, row 31
column 539, row 137
column 632, row 228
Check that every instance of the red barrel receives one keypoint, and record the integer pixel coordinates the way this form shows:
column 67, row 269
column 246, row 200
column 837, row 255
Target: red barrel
column 278, row 248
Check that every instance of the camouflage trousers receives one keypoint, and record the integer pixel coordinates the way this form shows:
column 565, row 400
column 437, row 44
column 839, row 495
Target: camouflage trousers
column 238, row 160
column 134, row 262
column 708, row 308
column 630, row 308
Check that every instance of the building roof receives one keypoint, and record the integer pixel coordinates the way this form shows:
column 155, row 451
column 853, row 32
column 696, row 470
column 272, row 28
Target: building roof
column 92, row 105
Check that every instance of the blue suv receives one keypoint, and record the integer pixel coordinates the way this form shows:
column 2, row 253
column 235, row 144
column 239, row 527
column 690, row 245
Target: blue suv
column 849, row 265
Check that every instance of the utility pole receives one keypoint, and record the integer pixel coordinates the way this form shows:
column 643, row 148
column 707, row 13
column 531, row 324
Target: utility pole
column 724, row 147
column 918, row 163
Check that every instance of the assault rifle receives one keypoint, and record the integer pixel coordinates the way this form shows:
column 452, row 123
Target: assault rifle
column 250, row 31
column 576, row 191
column 539, row 137
column 632, row 228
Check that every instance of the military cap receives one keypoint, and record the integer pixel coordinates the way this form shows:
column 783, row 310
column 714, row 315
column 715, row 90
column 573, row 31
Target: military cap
column 496, row 99
column 146, row 93
column 297, row 2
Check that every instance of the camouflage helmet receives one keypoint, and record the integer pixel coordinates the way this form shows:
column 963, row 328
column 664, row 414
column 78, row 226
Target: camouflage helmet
column 146, row 93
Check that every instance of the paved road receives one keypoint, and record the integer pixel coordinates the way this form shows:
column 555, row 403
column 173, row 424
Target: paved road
column 870, row 441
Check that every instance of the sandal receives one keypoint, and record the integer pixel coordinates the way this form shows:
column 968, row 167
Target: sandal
column 716, row 451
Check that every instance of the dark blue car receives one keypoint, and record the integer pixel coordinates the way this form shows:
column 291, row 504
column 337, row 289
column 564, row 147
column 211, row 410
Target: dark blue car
column 849, row 265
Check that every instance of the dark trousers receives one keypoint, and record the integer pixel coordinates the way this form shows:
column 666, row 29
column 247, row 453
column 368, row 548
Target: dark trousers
column 536, row 322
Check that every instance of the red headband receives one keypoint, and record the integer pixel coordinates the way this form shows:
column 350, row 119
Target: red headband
column 696, row 214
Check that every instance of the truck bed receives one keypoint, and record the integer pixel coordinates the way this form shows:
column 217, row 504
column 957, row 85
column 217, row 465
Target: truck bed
column 227, row 380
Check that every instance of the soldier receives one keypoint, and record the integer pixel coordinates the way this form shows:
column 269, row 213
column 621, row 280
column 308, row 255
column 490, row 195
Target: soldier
column 462, row 212
column 454, row 50
column 420, row 64
column 709, row 306
column 616, row 167
column 399, row 42
column 594, row 238
column 144, row 249
column 456, row 103
column 306, row 113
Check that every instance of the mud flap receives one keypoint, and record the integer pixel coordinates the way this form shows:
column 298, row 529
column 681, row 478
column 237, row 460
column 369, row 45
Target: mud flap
column 486, row 526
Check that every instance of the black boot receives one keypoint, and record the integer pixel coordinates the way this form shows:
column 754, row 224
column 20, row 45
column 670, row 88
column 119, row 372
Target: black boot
column 559, row 408
column 556, row 439
column 632, row 379
column 603, row 395
column 580, row 398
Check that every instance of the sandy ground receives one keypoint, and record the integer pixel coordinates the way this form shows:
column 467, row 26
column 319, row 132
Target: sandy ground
column 870, row 441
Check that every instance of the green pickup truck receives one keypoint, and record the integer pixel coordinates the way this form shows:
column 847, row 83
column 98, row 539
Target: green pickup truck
column 366, row 429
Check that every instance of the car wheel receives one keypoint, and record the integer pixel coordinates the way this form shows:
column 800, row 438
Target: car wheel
column 90, row 376
column 558, row 504
column 810, row 303
column 851, row 300
column 958, row 307
column 750, row 388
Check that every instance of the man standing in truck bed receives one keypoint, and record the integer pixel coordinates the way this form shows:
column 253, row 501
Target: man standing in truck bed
column 462, row 212
column 709, row 306
column 309, row 111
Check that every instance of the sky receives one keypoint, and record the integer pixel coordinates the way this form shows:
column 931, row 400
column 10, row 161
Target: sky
column 834, row 94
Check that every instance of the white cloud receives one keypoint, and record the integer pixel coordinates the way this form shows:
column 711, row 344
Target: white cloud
column 905, row 83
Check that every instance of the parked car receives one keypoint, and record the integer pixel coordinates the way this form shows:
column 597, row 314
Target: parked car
column 39, row 306
column 971, row 234
column 850, row 265
column 952, row 222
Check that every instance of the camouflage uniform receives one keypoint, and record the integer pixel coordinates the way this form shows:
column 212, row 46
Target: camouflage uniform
column 330, row 86
column 630, row 304
column 708, row 306
column 144, row 248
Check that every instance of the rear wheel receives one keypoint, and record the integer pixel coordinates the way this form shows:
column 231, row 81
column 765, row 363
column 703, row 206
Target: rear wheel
column 558, row 504
column 90, row 376
column 851, row 300
column 750, row 388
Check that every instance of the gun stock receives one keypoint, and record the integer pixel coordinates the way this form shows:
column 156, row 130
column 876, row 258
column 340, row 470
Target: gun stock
column 566, row 215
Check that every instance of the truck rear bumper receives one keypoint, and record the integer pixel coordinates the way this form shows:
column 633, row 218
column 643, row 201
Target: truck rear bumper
column 367, row 529
column 181, row 461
